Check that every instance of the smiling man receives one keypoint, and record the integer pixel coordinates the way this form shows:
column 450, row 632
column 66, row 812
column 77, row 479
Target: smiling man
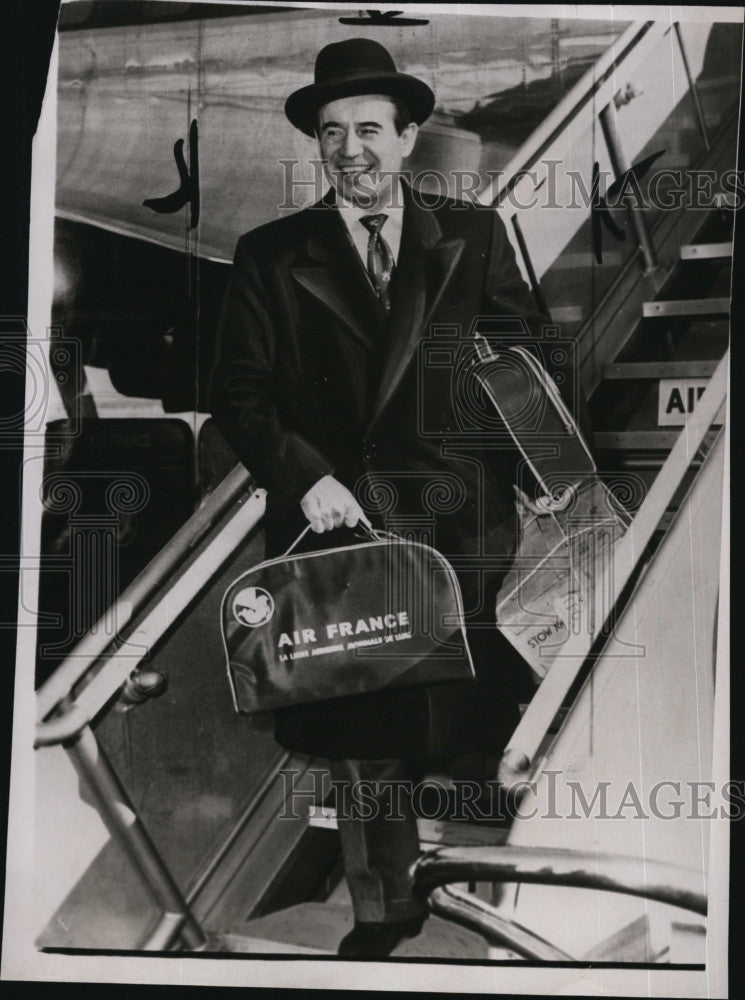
column 318, row 390
column 363, row 142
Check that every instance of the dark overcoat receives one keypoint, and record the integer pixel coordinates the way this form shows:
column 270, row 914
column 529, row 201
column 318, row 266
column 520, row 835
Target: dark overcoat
column 312, row 379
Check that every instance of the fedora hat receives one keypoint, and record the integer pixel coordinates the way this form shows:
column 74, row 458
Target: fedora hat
column 353, row 67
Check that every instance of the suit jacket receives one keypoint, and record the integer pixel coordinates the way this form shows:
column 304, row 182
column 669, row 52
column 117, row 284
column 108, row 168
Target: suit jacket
column 311, row 379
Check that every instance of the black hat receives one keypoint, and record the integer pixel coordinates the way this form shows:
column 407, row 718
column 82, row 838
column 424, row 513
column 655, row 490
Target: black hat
column 356, row 66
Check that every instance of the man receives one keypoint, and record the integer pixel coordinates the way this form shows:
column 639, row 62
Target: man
column 318, row 389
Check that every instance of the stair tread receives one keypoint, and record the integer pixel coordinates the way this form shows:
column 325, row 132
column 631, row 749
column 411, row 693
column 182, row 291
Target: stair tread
column 248, row 944
column 635, row 439
column 659, row 369
column 685, row 307
column 431, row 831
column 319, row 927
column 704, row 251
column 652, row 440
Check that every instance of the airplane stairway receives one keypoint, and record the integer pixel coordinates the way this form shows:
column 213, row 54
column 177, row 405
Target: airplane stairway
column 671, row 352
column 674, row 325
column 249, row 882
column 670, row 327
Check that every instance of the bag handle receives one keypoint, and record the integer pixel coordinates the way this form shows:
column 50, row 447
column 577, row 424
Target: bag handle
column 549, row 503
column 371, row 534
column 299, row 538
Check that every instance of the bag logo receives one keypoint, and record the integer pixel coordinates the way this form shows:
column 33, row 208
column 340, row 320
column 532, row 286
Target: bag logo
column 253, row 606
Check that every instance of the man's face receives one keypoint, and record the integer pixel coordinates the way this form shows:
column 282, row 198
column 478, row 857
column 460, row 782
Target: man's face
column 361, row 150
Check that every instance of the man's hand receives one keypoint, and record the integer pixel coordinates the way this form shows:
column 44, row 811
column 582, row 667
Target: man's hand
column 328, row 504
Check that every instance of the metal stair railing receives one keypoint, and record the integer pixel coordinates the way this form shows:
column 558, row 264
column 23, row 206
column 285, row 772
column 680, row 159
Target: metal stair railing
column 432, row 875
column 519, row 760
column 594, row 89
column 101, row 663
column 79, row 685
column 554, row 156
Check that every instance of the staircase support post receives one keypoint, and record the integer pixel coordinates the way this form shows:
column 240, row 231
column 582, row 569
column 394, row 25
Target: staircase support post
column 636, row 213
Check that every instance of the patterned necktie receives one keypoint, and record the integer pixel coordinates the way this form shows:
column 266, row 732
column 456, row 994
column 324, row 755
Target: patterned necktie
column 380, row 262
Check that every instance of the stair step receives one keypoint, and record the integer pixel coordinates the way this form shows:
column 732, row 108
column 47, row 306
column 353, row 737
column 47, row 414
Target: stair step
column 686, row 307
column 632, row 943
column 247, row 944
column 635, row 440
column 659, row 369
column 317, row 928
column 646, row 440
column 705, row 251
column 431, row 831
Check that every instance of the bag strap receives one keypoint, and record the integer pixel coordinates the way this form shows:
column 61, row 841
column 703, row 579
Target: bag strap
column 370, row 534
column 299, row 538
column 557, row 423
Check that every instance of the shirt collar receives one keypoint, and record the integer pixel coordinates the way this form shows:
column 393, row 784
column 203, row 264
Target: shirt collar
column 352, row 214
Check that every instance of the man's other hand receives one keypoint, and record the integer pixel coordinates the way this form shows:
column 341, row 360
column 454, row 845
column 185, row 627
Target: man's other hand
column 328, row 504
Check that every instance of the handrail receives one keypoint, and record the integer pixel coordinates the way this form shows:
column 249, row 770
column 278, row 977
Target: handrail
column 478, row 915
column 120, row 664
column 519, row 755
column 123, row 822
column 569, row 107
column 132, row 600
column 632, row 876
column 130, row 649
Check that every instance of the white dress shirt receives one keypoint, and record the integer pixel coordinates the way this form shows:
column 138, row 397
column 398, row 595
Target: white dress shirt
column 391, row 230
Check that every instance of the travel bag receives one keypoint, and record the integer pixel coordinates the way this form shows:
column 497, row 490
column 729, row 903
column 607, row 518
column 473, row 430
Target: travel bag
column 307, row 627
column 568, row 519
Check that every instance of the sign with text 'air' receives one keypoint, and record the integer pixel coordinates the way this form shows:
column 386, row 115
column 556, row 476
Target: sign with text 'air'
column 677, row 399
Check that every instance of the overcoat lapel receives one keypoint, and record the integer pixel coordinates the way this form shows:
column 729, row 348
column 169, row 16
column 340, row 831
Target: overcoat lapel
column 426, row 264
column 330, row 269
column 333, row 272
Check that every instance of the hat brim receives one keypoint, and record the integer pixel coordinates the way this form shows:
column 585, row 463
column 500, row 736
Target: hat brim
column 302, row 106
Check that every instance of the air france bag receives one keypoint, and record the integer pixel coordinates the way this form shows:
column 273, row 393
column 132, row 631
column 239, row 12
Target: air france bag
column 343, row 621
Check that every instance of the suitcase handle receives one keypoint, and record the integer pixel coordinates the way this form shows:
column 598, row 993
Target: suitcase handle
column 299, row 538
column 370, row 534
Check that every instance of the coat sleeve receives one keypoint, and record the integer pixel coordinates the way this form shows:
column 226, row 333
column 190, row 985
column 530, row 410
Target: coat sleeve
column 244, row 393
column 505, row 291
column 507, row 294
